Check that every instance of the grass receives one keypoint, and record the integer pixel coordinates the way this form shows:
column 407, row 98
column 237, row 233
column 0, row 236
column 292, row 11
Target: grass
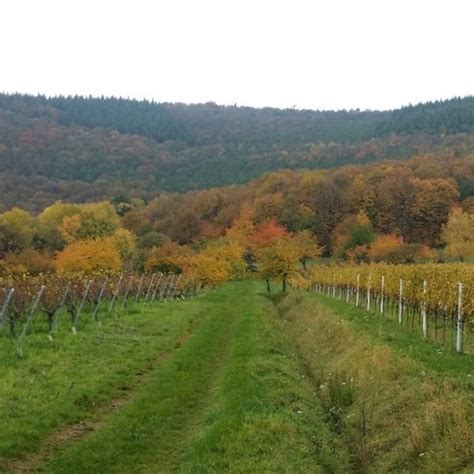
column 387, row 331
column 234, row 381
column 396, row 404
column 57, row 383
column 265, row 417
column 231, row 397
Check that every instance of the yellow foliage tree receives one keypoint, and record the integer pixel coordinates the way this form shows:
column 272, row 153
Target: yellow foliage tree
column 88, row 256
column 208, row 270
column 69, row 228
column 458, row 234
column 231, row 252
column 94, row 220
column 17, row 229
column 278, row 261
column 125, row 241
column 306, row 246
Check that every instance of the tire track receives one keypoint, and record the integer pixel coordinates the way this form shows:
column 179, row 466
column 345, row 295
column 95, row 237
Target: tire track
column 67, row 435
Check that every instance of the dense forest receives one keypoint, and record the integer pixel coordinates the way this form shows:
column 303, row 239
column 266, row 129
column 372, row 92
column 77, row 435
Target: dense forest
column 399, row 211
column 89, row 149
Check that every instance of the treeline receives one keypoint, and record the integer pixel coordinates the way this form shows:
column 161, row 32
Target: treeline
column 211, row 123
column 411, row 200
column 88, row 149
column 394, row 212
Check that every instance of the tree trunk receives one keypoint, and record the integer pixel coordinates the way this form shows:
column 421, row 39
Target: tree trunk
column 284, row 284
column 268, row 285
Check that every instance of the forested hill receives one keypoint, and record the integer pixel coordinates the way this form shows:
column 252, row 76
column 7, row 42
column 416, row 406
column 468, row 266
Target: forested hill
column 80, row 149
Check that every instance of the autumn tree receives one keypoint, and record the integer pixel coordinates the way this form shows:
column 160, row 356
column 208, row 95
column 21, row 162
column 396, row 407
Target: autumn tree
column 306, row 246
column 88, row 256
column 208, row 270
column 49, row 222
column 384, row 247
column 392, row 248
column 354, row 232
column 266, row 234
column 328, row 203
column 125, row 242
column 360, row 195
column 29, row 261
column 278, row 261
column 429, row 210
column 95, row 220
column 394, row 190
column 169, row 258
column 242, row 226
column 17, row 230
column 458, row 234
column 230, row 252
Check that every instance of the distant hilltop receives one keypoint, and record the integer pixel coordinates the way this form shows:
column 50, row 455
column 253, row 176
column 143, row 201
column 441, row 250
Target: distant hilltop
column 86, row 148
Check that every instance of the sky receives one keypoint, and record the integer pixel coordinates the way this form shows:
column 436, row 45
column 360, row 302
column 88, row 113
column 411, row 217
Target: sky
column 331, row 54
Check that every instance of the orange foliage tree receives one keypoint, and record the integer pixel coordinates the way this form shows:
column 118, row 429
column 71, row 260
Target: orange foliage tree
column 29, row 261
column 391, row 248
column 267, row 234
column 169, row 258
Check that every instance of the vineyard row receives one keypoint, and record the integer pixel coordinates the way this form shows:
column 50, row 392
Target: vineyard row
column 24, row 298
column 434, row 298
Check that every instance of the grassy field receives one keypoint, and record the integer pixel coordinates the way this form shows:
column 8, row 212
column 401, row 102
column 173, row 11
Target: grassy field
column 397, row 403
column 234, row 381
column 209, row 386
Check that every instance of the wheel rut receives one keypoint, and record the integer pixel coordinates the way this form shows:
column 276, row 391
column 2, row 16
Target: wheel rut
column 67, row 435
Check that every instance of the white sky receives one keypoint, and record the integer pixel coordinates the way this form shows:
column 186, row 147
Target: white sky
column 329, row 54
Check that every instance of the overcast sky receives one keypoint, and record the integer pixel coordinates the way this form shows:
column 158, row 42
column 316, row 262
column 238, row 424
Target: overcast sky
column 320, row 54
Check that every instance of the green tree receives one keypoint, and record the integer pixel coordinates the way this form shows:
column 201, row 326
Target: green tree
column 49, row 222
column 17, row 230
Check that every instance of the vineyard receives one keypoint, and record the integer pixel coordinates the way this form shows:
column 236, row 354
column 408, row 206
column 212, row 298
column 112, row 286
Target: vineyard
column 435, row 299
column 39, row 302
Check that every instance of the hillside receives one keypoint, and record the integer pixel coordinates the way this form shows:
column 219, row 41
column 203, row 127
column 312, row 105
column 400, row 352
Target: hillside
column 85, row 149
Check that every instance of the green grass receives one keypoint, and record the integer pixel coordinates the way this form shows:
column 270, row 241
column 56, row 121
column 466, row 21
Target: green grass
column 231, row 397
column 234, row 381
column 394, row 401
column 57, row 383
column 385, row 330
column 265, row 417
column 227, row 400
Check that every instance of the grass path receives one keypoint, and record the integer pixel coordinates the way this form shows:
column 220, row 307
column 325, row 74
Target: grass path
column 95, row 419
column 230, row 382
column 58, row 385
column 222, row 391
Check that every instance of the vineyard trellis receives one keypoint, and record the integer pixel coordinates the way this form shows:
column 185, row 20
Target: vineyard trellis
column 431, row 298
column 26, row 297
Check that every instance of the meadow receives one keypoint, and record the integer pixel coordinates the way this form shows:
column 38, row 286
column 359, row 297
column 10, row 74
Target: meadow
column 236, row 380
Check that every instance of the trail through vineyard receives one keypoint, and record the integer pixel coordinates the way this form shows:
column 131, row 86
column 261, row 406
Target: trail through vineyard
column 241, row 381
